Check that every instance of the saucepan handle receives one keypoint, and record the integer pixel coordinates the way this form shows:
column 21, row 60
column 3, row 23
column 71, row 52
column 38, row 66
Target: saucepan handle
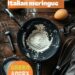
column 38, row 69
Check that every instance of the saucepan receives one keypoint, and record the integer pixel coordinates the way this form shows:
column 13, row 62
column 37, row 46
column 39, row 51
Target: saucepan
column 39, row 40
column 37, row 27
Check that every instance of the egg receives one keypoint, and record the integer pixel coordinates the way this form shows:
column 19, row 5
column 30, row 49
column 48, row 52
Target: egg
column 61, row 14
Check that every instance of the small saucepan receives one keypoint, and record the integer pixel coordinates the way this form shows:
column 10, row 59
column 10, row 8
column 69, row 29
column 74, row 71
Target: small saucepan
column 39, row 40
